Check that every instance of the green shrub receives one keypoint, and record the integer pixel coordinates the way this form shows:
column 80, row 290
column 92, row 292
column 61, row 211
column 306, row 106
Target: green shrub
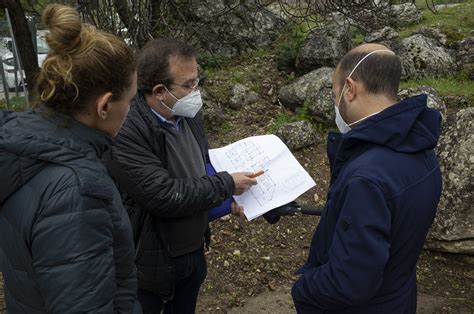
column 289, row 45
column 211, row 61
column 17, row 103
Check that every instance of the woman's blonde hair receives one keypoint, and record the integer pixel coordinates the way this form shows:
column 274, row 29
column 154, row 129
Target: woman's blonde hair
column 82, row 64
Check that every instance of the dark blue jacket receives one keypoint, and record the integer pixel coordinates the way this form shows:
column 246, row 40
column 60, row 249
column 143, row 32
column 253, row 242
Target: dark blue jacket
column 385, row 188
column 66, row 242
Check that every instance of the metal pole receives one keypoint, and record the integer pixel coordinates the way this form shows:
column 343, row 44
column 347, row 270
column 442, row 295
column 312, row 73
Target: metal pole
column 15, row 69
column 5, row 85
column 15, row 52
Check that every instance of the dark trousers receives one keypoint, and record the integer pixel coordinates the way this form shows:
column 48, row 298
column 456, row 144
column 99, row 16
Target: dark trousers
column 190, row 272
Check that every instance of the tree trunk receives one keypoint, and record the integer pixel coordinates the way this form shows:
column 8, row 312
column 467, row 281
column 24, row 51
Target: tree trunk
column 25, row 48
column 124, row 13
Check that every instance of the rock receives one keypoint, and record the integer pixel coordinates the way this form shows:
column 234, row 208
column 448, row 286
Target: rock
column 321, row 106
column 434, row 100
column 445, row 6
column 297, row 135
column 295, row 94
column 385, row 34
column 404, row 14
column 241, row 95
column 458, row 101
column 325, row 46
column 251, row 97
column 453, row 228
column 432, row 33
column 233, row 28
column 213, row 114
column 424, row 57
column 464, row 55
column 316, row 198
column 384, row 14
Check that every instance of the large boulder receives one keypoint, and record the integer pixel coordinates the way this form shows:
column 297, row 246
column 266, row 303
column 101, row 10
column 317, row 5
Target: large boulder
column 325, row 46
column 464, row 55
column 229, row 29
column 297, row 135
column 385, row 14
column 404, row 14
column 297, row 93
column 432, row 33
column 321, row 106
column 424, row 57
column 433, row 101
column 453, row 228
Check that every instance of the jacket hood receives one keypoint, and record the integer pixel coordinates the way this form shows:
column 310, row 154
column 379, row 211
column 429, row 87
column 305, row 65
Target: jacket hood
column 407, row 127
column 30, row 140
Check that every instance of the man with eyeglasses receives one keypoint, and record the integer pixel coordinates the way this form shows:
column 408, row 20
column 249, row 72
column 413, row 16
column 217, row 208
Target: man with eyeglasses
column 158, row 161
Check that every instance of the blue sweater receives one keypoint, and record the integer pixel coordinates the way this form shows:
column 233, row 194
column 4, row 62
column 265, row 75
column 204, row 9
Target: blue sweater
column 385, row 188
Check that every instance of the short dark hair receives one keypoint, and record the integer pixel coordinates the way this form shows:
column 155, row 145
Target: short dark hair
column 153, row 62
column 380, row 72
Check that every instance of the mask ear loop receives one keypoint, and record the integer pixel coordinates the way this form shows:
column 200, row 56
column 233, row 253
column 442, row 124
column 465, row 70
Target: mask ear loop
column 164, row 105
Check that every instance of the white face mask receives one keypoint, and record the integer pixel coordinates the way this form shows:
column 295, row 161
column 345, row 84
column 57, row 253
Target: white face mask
column 188, row 106
column 341, row 124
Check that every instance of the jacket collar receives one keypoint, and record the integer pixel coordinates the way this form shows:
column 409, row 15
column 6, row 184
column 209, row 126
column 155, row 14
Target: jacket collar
column 86, row 136
column 407, row 127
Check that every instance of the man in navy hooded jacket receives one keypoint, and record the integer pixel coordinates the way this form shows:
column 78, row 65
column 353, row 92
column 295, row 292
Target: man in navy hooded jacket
column 385, row 188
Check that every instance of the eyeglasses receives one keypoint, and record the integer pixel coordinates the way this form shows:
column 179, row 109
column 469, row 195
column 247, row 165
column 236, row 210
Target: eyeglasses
column 193, row 85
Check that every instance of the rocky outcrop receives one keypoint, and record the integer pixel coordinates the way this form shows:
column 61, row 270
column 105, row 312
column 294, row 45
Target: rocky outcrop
column 453, row 228
column 432, row 33
column 404, row 14
column 307, row 86
column 321, row 106
column 384, row 14
column 424, row 57
column 297, row 135
column 434, row 100
column 464, row 55
column 229, row 29
column 325, row 46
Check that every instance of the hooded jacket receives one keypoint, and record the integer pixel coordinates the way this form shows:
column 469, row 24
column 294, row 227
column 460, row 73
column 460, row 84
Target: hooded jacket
column 66, row 243
column 385, row 188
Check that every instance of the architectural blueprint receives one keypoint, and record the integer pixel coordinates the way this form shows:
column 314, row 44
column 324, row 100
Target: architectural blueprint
column 284, row 178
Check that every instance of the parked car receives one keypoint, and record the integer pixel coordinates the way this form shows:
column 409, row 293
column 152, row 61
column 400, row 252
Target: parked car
column 9, row 63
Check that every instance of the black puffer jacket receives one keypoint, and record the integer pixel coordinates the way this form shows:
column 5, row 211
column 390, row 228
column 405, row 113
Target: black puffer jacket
column 65, row 238
column 138, row 162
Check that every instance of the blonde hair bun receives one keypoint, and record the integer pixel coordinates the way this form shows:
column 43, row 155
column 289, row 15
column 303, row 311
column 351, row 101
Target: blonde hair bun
column 64, row 26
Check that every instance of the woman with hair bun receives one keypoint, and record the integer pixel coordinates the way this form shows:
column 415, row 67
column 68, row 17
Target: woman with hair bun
column 66, row 244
